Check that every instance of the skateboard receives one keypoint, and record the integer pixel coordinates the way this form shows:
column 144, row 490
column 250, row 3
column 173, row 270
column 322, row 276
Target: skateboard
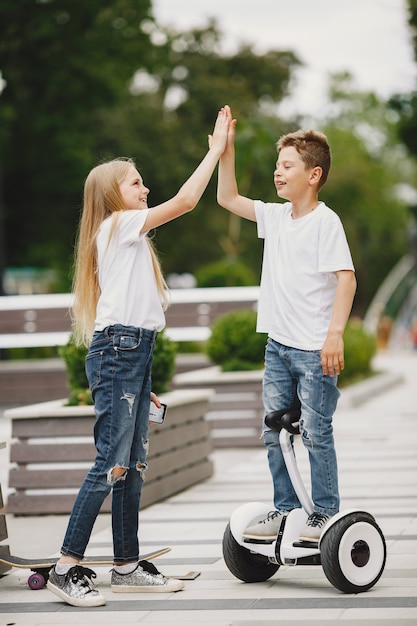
column 42, row 567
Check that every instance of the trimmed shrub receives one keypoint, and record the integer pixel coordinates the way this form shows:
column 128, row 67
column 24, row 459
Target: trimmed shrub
column 225, row 273
column 360, row 348
column 74, row 357
column 235, row 346
column 234, row 343
column 163, row 363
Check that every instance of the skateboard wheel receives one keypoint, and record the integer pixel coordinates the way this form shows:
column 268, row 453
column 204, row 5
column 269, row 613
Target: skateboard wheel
column 36, row 581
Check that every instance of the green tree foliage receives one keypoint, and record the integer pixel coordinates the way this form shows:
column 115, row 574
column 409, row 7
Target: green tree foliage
column 64, row 62
column 169, row 119
column 368, row 165
column 92, row 80
column 70, row 102
column 406, row 104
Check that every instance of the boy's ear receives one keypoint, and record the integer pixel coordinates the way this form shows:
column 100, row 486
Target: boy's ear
column 315, row 175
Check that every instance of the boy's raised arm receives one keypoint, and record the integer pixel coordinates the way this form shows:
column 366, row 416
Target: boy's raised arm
column 227, row 191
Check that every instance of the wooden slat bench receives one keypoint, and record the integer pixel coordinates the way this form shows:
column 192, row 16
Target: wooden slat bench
column 50, row 442
column 29, row 381
column 44, row 319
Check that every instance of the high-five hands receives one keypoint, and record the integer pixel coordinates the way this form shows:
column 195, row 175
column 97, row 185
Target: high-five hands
column 222, row 130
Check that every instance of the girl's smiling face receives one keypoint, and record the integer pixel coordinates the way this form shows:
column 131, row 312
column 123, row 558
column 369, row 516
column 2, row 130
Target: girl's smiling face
column 134, row 192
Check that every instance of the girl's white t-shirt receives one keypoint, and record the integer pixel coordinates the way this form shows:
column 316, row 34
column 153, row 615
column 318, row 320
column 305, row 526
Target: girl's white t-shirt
column 129, row 293
column 298, row 282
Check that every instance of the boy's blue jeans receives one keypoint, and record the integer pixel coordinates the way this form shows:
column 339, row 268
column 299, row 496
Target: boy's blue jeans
column 118, row 367
column 292, row 373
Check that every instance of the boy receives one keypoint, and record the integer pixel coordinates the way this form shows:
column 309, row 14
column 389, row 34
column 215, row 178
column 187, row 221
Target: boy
column 307, row 289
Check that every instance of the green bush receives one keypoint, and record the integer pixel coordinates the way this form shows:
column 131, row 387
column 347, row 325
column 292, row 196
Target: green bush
column 360, row 348
column 80, row 396
column 163, row 363
column 23, row 354
column 234, row 343
column 225, row 273
column 74, row 357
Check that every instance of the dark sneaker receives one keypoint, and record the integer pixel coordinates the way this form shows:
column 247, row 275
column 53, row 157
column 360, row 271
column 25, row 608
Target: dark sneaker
column 75, row 587
column 264, row 528
column 314, row 527
column 143, row 581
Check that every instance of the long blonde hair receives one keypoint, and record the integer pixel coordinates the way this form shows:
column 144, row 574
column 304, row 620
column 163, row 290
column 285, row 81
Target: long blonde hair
column 102, row 198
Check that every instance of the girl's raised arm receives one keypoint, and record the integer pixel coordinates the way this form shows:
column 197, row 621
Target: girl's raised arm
column 192, row 190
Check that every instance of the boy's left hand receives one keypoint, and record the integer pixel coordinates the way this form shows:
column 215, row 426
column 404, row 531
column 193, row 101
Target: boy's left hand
column 332, row 355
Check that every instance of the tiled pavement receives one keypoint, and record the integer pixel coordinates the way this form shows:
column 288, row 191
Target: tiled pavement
column 377, row 452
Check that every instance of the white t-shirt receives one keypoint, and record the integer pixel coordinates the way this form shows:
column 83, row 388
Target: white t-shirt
column 129, row 294
column 298, row 283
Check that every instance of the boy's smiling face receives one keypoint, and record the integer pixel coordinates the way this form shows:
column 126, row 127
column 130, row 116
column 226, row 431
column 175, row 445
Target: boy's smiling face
column 291, row 177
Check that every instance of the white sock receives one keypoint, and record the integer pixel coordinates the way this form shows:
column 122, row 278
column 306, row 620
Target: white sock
column 63, row 568
column 126, row 569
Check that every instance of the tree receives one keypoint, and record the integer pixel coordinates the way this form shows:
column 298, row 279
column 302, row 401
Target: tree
column 87, row 81
column 169, row 118
column 65, row 61
column 369, row 164
column 406, row 104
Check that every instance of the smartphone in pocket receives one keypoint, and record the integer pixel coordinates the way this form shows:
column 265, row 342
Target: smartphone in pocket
column 157, row 415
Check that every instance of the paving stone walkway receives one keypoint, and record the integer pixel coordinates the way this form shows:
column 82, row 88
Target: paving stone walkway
column 376, row 438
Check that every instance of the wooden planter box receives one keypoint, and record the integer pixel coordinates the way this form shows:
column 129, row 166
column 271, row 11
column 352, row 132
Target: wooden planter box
column 52, row 450
column 33, row 381
column 4, row 548
column 236, row 409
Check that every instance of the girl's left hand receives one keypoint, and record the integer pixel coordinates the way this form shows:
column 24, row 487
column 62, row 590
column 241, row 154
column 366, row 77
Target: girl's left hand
column 155, row 400
column 218, row 139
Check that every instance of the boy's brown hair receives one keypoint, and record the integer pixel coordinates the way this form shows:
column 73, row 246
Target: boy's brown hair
column 313, row 148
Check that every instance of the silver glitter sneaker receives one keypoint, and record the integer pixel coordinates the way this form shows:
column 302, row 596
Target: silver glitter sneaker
column 142, row 581
column 76, row 587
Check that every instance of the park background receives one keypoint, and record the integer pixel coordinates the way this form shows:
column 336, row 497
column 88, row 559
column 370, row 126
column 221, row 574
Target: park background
column 82, row 82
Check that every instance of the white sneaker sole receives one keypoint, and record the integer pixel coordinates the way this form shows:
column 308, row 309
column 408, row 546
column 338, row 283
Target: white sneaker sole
column 80, row 602
column 177, row 586
column 309, row 539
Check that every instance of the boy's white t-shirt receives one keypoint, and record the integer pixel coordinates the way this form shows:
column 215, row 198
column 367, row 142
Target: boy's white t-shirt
column 129, row 294
column 298, row 283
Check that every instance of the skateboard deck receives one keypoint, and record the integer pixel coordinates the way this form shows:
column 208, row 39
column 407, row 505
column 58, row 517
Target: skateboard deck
column 42, row 567
column 22, row 563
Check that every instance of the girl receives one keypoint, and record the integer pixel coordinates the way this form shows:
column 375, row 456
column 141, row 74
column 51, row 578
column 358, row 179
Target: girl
column 120, row 296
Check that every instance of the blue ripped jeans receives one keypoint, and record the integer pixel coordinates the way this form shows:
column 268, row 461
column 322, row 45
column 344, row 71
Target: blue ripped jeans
column 118, row 367
column 290, row 374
